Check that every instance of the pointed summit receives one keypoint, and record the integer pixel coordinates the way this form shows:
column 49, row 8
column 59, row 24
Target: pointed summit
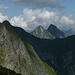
column 52, row 26
column 40, row 32
column 39, row 26
column 56, row 32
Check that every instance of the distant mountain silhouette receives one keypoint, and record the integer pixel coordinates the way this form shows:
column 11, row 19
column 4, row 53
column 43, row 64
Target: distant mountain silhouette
column 70, row 31
column 5, row 71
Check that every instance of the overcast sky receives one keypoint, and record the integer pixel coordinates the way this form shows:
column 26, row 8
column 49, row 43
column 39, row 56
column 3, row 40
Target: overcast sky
column 28, row 14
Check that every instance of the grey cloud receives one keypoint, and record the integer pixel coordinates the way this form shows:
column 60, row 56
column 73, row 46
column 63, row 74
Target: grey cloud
column 40, row 3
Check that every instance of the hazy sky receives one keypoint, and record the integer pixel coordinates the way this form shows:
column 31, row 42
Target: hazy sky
column 30, row 13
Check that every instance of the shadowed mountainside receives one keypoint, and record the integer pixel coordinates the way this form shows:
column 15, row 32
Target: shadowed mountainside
column 57, row 32
column 59, row 53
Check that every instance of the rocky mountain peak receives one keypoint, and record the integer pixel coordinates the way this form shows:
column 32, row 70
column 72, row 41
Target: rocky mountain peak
column 39, row 28
column 56, row 32
column 42, row 33
column 52, row 26
column 7, row 22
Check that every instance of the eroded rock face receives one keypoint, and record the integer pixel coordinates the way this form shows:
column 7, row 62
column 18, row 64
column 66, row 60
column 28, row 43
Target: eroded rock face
column 19, row 56
column 13, row 51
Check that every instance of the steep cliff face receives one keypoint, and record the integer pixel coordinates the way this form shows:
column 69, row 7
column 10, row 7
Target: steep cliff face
column 19, row 56
column 41, row 33
column 56, row 32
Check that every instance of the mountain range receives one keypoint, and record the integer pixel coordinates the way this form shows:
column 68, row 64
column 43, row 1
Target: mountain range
column 56, row 32
column 42, row 33
column 27, row 54
column 51, row 33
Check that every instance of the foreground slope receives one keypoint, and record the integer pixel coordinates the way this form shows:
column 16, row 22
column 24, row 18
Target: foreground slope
column 41, row 33
column 59, row 53
column 19, row 56
column 56, row 32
